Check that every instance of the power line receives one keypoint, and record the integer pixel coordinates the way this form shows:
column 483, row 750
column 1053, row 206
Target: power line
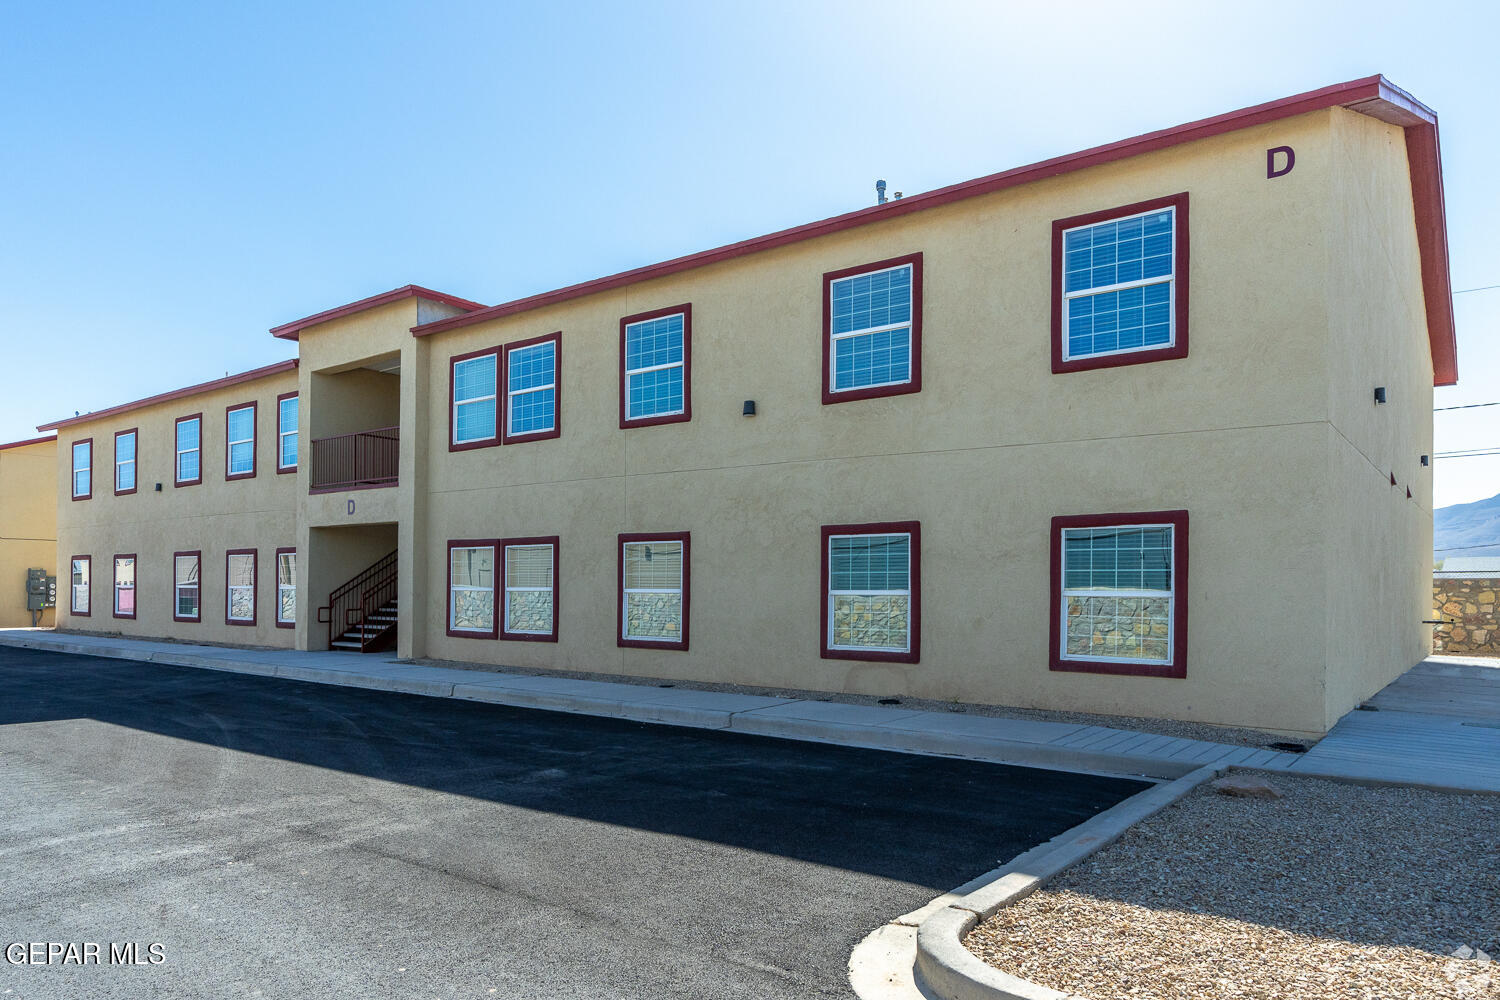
column 1469, row 406
column 1482, row 288
column 1465, row 548
column 1468, row 453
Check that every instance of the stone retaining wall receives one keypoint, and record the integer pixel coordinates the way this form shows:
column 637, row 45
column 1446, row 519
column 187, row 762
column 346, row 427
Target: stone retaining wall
column 1470, row 605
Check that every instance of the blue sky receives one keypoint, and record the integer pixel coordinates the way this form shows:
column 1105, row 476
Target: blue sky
column 179, row 179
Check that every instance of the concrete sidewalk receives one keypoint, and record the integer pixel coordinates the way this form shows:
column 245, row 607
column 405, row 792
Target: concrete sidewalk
column 1395, row 745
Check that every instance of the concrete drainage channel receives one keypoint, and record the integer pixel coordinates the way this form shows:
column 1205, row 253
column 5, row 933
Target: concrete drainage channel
column 921, row 955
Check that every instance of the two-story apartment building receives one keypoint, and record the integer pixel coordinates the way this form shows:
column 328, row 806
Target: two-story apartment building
column 965, row 445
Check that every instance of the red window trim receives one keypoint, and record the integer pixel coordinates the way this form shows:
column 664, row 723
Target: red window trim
column 504, row 633
column 914, row 626
column 178, row 483
column 276, row 565
column 114, row 595
column 489, row 442
column 198, row 554
column 254, row 555
column 502, row 387
column 874, row 391
column 90, row 612
column 116, row 477
column 686, row 538
column 686, row 415
column 470, row 543
column 73, row 469
column 1180, row 271
column 254, row 407
column 282, row 470
column 1177, row 667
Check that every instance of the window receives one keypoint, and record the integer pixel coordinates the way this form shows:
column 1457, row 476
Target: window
column 189, row 467
column 239, row 586
column 286, row 432
column 125, row 586
column 471, row 588
column 186, row 589
column 872, row 330
column 83, row 469
column 1118, row 586
column 286, row 588
column 872, row 591
column 472, row 420
column 80, row 588
column 653, row 608
column 239, row 441
column 1119, row 286
column 531, row 388
column 530, row 585
column 125, row 442
column 656, row 352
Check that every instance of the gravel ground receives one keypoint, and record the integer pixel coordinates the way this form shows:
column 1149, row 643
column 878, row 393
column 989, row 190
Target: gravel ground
column 1164, row 727
column 1335, row 891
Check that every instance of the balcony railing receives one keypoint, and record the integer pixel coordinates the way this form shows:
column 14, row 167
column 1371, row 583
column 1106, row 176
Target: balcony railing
column 356, row 461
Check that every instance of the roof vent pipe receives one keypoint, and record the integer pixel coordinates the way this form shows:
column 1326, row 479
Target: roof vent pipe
column 880, row 192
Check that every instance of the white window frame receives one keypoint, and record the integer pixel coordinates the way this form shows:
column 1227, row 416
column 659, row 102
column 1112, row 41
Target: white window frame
column 625, row 592
column 454, row 588
column 507, row 589
column 134, row 451
column 282, row 433
column 907, row 593
column 281, row 588
column 230, row 588
column 629, row 415
column 229, row 442
column 178, row 587
column 511, row 394
column 834, row 338
column 86, row 586
column 117, row 587
column 1170, row 595
column 1170, row 278
column 87, row 470
column 180, row 450
column 490, row 397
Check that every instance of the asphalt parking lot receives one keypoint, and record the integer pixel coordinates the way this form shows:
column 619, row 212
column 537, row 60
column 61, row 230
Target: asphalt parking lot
column 283, row 839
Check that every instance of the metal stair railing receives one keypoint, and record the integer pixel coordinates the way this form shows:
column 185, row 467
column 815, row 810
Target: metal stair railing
column 350, row 596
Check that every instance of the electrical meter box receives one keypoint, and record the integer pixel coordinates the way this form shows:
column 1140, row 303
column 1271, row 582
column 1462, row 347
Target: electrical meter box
column 41, row 590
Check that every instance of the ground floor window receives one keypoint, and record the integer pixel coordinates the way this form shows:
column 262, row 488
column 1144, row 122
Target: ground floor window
column 286, row 588
column 239, row 587
column 654, row 590
column 80, row 588
column 1118, row 583
column 471, row 588
column 186, row 567
column 530, row 583
column 871, row 593
column 125, row 586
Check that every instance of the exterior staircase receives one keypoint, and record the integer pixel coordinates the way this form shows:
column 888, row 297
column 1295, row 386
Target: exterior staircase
column 361, row 614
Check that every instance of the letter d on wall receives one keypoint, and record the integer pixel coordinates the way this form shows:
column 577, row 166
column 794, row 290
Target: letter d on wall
column 351, row 506
column 1289, row 161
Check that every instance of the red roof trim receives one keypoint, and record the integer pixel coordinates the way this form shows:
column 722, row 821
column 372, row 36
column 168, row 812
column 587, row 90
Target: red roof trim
column 28, row 441
column 165, row 397
column 1373, row 95
column 289, row 331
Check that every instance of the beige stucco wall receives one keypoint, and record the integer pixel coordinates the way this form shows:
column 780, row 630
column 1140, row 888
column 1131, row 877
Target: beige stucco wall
column 213, row 517
column 28, row 526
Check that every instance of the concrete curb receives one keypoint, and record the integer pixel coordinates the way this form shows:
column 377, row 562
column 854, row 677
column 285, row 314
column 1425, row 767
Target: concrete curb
column 946, row 970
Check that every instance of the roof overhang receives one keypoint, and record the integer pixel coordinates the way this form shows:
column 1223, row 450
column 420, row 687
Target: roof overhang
column 1374, row 96
column 50, row 438
column 291, row 331
column 166, row 397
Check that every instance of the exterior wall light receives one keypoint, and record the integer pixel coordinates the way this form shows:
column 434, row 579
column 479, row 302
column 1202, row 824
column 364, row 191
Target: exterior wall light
column 1379, row 394
column 749, row 409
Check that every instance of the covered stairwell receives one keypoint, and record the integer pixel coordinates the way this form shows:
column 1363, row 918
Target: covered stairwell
column 361, row 614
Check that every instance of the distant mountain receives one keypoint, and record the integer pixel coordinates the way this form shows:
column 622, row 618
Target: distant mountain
column 1467, row 529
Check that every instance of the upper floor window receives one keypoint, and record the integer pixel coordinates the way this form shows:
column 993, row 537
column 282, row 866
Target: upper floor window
column 1120, row 286
column 472, row 418
column 83, row 469
column 125, row 444
column 871, row 591
column 189, row 467
column 656, row 367
column 531, row 388
column 872, row 338
column 1118, row 598
column 239, row 441
column 286, row 432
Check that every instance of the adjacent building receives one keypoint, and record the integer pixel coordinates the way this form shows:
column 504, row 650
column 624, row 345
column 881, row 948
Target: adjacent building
column 1141, row 430
column 28, row 529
